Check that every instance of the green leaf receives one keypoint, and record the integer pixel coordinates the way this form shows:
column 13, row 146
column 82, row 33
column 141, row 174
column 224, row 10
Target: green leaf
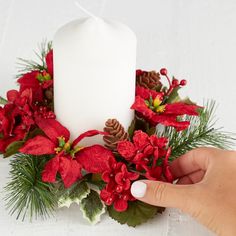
column 92, row 207
column 75, row 193
column 33, row 133
column 13, row 148
column 174, row 96
column 137, row 213
column 188, row 101
column 3, row 101
column 151, row 130
column 131, row 129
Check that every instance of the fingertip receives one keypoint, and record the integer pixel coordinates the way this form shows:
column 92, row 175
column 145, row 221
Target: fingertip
column 138, row 189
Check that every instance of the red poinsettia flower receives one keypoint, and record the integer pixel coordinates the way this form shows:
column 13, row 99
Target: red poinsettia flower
column 145, row 152
column 39, row 81
column 151, row 105
column 68, row 159
column 117, row 190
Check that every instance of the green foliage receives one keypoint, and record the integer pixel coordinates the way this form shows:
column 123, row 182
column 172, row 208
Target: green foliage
column 174, row 96
column 75, row 193
column 3, row 101
column 26, row 194
column 92, row 207
column 137, row 213
column 29, row 65
column 13, row 148
column 201, row 132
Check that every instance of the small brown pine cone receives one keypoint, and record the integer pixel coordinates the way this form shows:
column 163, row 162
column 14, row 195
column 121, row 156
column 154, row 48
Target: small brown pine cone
column 115, row 132
column 149, row 80
column 49, row 93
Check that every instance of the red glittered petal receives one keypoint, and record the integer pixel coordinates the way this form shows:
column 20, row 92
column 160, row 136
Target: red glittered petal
column 38, row 145
column 95, row 159
column 140, row 106
column 180, row 108
column 53, row 129
column 50, row 170
column 29, row 80
column 120, row 205
column 168, row 120
column 147, row 93
column 70, row 171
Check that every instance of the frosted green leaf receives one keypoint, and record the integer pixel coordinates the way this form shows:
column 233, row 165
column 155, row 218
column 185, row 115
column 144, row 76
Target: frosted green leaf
column 92, row 207
column 75, row 193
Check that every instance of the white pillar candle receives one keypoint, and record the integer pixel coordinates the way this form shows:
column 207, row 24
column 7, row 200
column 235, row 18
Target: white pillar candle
column 94, row 68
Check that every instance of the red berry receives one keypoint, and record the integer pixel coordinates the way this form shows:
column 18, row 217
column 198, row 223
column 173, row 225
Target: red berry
column 175, row 82
column 163, row 71
column 183, row 82
column 109, row 201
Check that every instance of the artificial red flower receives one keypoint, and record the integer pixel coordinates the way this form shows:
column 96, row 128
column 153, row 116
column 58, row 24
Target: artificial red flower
column 145, row 152
column 117, row 190
column 38, row 82
column 18, row 116
column 151, row 105
column 68, row 159
column 142, row 147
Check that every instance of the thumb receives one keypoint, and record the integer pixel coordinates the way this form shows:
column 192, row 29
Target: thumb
column 162, row 194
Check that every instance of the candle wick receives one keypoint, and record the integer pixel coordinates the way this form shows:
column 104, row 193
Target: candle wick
column 85, row 11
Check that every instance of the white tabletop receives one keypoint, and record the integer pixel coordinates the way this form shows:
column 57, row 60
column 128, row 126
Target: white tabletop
column 195, row 40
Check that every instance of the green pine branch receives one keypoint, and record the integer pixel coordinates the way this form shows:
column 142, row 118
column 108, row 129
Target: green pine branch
column 25, row 65
column 201, row 132
column 26, row 194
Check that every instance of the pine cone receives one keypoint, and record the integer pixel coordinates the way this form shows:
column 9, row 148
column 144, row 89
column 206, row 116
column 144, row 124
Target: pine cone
column 49, row 93
column 150, row 80
column 116, row 133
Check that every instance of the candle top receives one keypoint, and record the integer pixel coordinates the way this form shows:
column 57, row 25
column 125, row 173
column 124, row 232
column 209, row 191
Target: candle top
column 91, row 26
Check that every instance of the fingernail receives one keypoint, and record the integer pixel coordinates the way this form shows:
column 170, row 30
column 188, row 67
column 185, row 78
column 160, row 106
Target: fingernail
column 138, row 189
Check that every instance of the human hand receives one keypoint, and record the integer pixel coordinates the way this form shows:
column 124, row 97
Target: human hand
column 206, row 188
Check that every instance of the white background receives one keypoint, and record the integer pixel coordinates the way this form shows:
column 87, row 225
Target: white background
column 194, row 39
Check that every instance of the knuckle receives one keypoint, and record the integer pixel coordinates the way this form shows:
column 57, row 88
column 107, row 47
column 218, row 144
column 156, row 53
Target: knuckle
column 159, row 192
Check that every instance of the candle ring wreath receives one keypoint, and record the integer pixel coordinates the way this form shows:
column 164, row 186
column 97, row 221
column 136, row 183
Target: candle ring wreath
column 50, row 171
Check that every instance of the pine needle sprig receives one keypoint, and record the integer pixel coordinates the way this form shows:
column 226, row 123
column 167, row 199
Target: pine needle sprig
column 200, row 133
column 25, row 65
column 26, row 194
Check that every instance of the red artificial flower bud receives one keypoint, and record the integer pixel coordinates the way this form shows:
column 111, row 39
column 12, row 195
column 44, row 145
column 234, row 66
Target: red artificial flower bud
column 175, row 82
column 109, row 201
column 126, row 197
column 183, row 82
column 119, row 189
column 163, row 71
